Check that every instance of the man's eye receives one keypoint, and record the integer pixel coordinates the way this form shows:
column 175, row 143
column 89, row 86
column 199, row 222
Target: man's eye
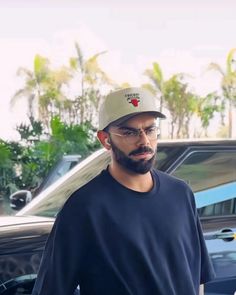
column 130, row 133
column 150, row 130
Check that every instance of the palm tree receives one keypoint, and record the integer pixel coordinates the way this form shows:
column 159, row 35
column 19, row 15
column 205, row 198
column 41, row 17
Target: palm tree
column 181, row 103
column 91, row 79
column 42, row 90
column 228, row 82
column 53, row 101
column 34, row 83
column 156, row 76
column 157, row 88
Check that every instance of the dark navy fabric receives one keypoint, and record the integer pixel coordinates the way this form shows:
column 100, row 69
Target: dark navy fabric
column 111, row 240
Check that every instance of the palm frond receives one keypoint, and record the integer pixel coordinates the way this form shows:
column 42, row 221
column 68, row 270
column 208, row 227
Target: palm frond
column 25, row 72
column 150, row 88
column 230, row 59
column 95, row 56
column 215, row 67
column 80, row 57
column 24, row 92
column 73, row 63
column 157, row 73
column 149, row 73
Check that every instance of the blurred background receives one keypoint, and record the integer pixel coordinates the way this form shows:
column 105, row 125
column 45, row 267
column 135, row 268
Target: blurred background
column 60, row 58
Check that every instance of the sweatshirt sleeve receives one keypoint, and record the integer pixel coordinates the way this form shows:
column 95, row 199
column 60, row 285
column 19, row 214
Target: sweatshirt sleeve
column 59, row 268
column 207, row 271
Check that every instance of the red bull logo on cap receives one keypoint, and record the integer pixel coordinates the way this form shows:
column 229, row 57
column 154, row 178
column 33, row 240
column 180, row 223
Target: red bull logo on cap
column 133, row 98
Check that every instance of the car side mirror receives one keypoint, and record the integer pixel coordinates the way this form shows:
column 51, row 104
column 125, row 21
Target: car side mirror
column 19, row 199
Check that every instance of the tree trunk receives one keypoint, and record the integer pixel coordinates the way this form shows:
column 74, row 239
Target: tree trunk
column 230, row 119
column 172, row 129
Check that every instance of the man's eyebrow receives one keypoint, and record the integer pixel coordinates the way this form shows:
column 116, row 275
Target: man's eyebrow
column 127, row 128
column 150, row 126
column 135, row 129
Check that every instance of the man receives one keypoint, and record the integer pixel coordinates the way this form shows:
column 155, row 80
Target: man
column 131, row 230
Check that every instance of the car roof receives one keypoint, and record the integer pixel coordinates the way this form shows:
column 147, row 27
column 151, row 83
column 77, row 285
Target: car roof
column 198, row 141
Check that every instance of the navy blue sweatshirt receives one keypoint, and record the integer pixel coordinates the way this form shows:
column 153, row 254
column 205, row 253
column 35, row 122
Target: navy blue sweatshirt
column 111, row 240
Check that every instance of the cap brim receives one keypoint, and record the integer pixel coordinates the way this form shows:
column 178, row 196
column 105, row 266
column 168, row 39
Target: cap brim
column 122, row 120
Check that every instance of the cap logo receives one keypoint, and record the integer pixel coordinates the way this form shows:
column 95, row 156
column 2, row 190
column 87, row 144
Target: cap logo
column 133, row 98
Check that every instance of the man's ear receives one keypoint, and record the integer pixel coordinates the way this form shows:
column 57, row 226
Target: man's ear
column 104, row 139
column 107, row 141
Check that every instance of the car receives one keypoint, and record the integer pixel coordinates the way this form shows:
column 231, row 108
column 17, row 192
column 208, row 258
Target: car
column 208, row 166
column 22, row 197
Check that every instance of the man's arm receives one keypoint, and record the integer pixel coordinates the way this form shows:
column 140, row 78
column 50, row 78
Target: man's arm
column 201, row 290
column 60, row 265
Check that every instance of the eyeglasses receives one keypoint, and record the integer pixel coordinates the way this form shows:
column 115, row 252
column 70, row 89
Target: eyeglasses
column 132, row 135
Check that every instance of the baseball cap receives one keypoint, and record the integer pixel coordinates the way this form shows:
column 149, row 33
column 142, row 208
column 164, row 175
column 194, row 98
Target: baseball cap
column 124, row 104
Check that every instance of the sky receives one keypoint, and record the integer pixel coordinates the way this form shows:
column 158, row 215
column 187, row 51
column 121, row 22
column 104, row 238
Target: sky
column 182, row 36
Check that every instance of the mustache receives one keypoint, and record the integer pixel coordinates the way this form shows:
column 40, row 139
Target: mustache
column 141, row 150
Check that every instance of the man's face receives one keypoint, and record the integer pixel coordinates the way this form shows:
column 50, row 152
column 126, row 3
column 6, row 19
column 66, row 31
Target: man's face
column 133, row 144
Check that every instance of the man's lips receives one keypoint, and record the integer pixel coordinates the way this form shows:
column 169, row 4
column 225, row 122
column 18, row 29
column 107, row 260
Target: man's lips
column 144, row 151
column 142, row 155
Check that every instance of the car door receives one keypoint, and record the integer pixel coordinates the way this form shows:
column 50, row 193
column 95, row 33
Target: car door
column 211, row 172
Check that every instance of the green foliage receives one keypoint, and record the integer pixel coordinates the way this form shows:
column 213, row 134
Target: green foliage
column 41, row 69
column 181, row 103
column 24, row 164
column 230, row 60
column 4, row 154
column 30, row 132
column 73, row 63
column 157, row 73
column 156, row 76
column 207, row 108
column 63, row 139
column 7, row 172
column 71, row 138
column 228, row 83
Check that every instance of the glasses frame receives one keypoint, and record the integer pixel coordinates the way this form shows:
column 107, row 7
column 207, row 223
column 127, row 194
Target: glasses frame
column 135, row 138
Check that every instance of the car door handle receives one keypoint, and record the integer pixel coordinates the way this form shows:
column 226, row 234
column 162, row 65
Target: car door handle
column 225, row 235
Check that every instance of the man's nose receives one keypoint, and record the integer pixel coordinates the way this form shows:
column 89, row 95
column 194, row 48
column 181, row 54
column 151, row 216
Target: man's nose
column 143, row 138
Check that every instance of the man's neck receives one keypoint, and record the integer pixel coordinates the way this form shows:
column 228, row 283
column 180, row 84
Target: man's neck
column 131, row 180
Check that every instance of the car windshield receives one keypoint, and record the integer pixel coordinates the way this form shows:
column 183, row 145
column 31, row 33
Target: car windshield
column 49, row 202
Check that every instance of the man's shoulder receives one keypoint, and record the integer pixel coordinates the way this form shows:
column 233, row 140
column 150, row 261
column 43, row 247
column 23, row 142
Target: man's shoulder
column 89, row 190
column 170, row 180
column 175, row 190
column 165, row 176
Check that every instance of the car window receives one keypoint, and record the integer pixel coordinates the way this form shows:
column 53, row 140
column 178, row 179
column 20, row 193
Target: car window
column 51, row 200
column 212, row 176
column 49, row 203
column 57, row 173
column 166, row 155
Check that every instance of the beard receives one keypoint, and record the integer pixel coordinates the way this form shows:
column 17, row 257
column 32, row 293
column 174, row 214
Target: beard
column 141, row 166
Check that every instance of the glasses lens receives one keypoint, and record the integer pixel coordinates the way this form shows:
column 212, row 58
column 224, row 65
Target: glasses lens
column 132, row 136
column 151, row 133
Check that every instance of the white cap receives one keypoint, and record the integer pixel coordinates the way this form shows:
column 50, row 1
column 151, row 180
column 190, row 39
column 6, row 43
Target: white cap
column 123, row 104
